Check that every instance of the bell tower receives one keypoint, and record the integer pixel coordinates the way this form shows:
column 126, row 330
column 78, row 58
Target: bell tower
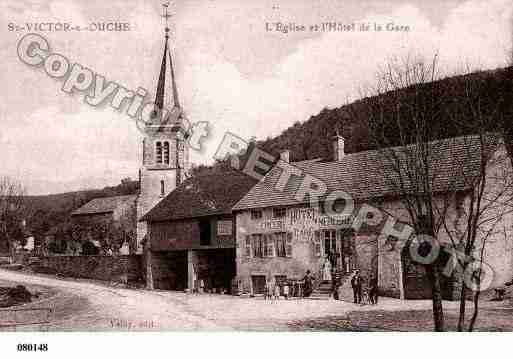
column 165, row 161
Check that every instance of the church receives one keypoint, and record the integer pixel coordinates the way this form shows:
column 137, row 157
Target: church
column 165, row 158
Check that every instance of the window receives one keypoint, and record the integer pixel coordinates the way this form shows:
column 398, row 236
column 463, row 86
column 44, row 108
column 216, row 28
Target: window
column 257, row 245
column 269, row 245
column 224, row 228
column 205, row 232
column 162, row 188
column 158, row 152
column 166, row 152
column 247, row 246
column 279, row 212
column 256, row 214
column 280, row 244
column 288, row 245
column 317, row 244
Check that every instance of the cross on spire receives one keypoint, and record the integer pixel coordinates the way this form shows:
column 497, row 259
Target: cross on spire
column 166, row 15
column 159, row 97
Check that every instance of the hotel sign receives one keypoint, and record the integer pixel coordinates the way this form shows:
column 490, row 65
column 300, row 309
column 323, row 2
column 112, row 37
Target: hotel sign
column 310, row 217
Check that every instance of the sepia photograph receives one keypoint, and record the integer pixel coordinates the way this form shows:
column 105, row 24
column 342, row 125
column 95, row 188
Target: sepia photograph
column 287, row 172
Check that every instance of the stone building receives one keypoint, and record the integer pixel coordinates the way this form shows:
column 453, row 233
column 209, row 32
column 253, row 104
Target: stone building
column 192, row 233
column 106, row 213
column 281, row 235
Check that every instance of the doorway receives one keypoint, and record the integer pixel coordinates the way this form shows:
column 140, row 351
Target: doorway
column 258, row 282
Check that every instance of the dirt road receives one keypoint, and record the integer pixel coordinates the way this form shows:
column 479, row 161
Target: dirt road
column 83, row 305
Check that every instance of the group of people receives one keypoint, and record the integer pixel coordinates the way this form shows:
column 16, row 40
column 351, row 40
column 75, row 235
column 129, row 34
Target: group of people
column 273, row 290
column 361, row 293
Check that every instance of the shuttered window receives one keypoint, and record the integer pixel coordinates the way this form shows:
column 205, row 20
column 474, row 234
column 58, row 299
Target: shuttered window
column 269, row 245
column 158, row 152
column 166, row 152
column 256, row 214
column 257, row 245
column 288, row 246
column 280, row 244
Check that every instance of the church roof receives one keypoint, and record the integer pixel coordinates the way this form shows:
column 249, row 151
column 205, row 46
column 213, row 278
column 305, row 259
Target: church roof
column 104, row 205
column 365, row 175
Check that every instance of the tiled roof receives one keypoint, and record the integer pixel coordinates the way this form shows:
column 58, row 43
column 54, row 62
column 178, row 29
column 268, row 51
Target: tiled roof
column 202, row 195
column 104, row 204
column 372, row 174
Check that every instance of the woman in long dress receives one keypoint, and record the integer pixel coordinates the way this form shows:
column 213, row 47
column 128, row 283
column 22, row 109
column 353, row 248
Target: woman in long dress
column 326, row 272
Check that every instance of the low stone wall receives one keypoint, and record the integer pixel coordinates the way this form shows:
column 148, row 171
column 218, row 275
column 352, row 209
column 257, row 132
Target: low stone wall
column 123, row 269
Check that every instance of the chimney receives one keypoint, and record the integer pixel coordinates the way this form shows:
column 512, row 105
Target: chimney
column 338, row 148
column 285, row 155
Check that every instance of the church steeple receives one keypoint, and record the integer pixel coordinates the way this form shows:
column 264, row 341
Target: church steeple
column 165, row 155
column 161, row 85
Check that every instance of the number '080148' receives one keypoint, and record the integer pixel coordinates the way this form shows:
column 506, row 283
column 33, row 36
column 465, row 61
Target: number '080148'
column 32, row 347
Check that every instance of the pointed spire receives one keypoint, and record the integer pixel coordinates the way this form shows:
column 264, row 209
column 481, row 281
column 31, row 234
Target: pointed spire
column 159, row 96
column 173, row 83
column 160, row 93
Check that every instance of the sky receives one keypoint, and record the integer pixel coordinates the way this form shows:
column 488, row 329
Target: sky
column 231, row 71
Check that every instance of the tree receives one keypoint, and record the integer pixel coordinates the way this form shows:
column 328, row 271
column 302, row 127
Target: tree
column 486, row 205
column 413, row 110
column 412, row 120
column 12, row 213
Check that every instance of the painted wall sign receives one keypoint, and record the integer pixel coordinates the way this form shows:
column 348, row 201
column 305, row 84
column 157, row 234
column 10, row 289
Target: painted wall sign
column 310, row 217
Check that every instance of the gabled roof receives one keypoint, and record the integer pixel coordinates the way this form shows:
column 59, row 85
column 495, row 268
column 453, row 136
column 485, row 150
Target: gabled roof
column 202, row 195
column 454, row 162
column 104, row 205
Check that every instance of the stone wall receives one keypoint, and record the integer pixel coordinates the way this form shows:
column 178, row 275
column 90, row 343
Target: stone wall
column 123, row 269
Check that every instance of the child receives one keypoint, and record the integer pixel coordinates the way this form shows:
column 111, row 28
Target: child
column 269, row 290
column 286, row 290
column 277, row 291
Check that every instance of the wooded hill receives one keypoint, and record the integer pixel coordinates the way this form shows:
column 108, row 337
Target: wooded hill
column 313, row 138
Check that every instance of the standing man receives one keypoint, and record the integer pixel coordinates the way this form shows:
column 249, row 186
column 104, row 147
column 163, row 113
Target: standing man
column 308, row 284
column 356, row 283
column 373, row 289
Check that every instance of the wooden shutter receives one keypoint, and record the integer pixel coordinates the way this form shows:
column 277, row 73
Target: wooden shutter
column 248, row 246
column 338, row 243
column 317, row 244
column 288, row 245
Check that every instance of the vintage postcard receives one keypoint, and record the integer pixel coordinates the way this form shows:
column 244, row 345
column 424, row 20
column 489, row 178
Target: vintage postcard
column 254, row 166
